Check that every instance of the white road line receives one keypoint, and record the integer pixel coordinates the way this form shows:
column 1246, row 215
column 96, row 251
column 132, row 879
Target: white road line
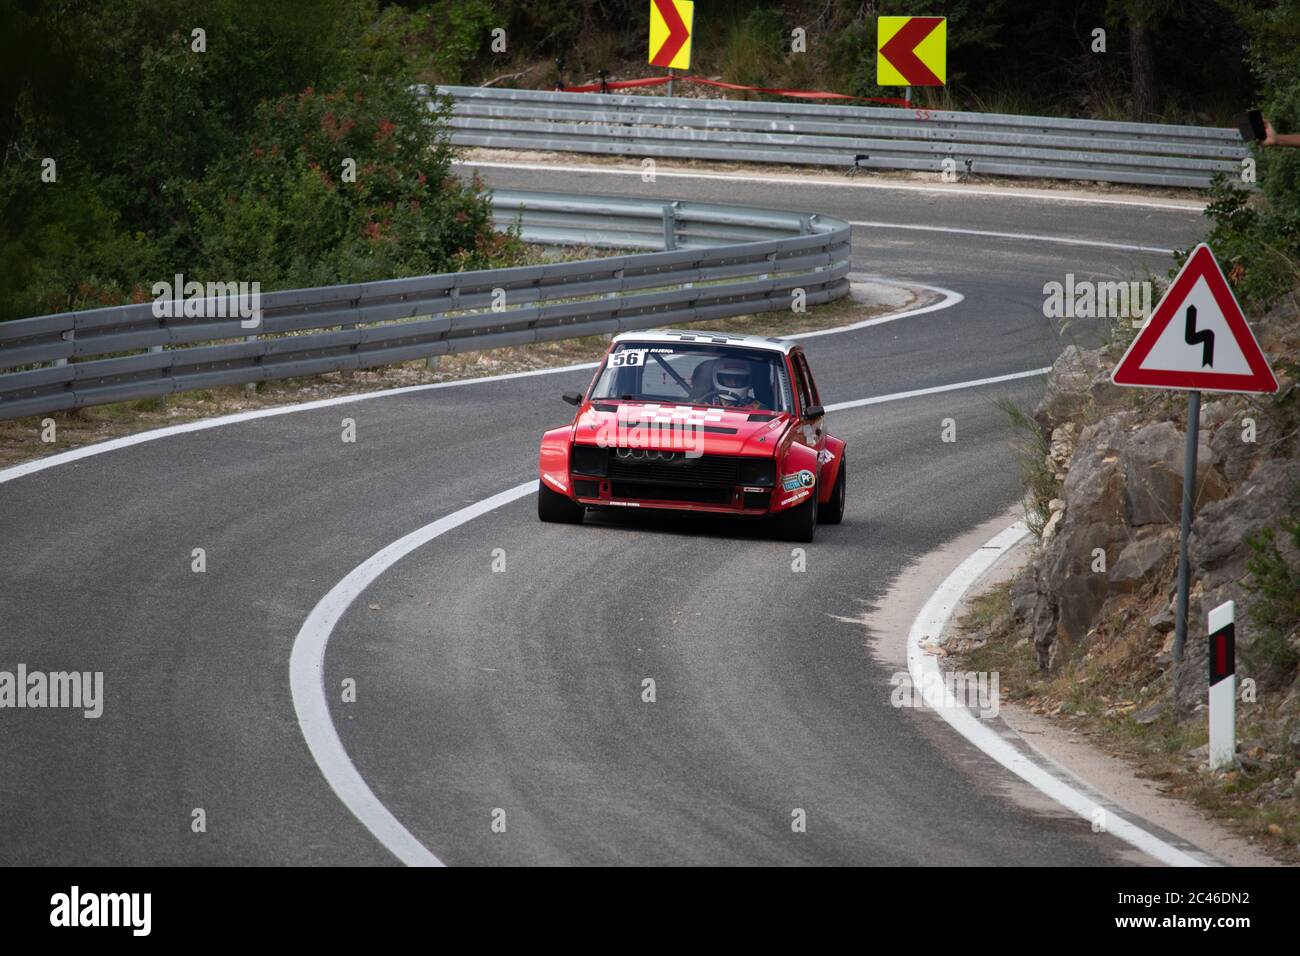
column 1193, row 208
column 949, row 299
column 76, row 454
column 936, row 389
column 307, row 660
column 929, row 624
column 307, row 680
column 1021, row 236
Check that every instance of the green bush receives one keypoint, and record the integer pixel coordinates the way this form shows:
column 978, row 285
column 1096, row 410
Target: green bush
column 229, row 162
column 284, row 210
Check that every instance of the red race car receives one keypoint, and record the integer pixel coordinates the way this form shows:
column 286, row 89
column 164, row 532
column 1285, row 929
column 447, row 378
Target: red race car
column 697, row 421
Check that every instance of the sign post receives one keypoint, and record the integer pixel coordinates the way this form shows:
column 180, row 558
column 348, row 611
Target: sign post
column 1197, row 339
column 1185, row 523
column 1223, row 686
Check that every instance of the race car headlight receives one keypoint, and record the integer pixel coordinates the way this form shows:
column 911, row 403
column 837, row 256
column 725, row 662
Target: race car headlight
column 589, row 460
column 760, row 472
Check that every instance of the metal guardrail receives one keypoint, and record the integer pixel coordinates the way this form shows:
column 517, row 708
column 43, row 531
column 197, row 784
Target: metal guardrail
column 711, row 261
column 868, row 137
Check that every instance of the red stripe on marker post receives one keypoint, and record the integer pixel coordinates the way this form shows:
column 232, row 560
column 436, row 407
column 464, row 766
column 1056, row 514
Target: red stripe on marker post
column 1223, row 686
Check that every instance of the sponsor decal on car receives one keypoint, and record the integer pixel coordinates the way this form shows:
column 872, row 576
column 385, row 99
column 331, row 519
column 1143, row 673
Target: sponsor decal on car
column 793, row 498
column 800, row 479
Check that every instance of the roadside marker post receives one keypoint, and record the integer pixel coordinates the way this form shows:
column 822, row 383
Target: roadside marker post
column 1197, row 339
column 1223, row 686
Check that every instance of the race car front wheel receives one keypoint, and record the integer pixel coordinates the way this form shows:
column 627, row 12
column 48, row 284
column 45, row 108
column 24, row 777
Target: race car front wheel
column 800, row 522
column 833, row 511
column 553, row 506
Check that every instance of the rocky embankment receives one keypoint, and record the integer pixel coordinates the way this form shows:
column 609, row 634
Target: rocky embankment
column 1105, row 568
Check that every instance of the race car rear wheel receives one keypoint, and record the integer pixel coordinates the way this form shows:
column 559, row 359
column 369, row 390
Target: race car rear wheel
column 800, row 522
column 833, row 512
column 553, row 506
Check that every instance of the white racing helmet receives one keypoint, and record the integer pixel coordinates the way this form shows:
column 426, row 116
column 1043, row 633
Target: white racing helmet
column 731, row 380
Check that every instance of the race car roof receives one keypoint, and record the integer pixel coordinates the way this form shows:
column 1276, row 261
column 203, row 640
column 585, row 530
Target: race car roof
column 708, row 338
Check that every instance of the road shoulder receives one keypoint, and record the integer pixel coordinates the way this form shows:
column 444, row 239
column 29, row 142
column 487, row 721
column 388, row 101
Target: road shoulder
column 1055, row 749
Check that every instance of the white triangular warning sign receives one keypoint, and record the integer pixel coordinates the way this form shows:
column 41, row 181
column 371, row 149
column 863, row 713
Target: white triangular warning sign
column 1197, row 338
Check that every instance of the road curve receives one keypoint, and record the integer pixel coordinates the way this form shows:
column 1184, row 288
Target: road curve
column 521, row 689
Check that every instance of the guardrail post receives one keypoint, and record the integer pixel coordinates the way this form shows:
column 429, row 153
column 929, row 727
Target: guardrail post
column 251, row 387
column 68, row 336
column 670, row 226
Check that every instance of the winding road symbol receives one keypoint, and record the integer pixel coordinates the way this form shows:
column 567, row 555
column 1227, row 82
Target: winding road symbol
column 1203, row 338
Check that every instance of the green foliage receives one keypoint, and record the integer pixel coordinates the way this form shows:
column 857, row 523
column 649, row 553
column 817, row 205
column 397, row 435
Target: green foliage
column 1257, row 238
column 1031, row 448
column 1275, row 582
column 283, row 210
column 228, row 162
column 754, row 47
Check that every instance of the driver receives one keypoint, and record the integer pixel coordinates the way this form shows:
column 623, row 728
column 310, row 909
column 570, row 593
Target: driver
column 732, row 385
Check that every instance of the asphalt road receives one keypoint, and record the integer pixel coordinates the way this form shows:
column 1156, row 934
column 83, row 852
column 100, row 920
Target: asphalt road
column 521, row 689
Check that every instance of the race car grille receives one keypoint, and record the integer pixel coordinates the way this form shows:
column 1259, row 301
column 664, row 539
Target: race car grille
column 705, row 471
column 650, row 492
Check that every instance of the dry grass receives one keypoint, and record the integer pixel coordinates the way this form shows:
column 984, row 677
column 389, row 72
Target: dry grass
column 1098, row 694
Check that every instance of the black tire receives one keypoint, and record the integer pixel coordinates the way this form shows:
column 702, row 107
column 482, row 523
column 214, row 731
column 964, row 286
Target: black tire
column 833, row 511
column 553, row 506
column 800, row 522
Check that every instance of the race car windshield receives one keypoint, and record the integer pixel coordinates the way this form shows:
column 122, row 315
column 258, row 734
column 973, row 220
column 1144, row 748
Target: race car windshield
column 695, row 374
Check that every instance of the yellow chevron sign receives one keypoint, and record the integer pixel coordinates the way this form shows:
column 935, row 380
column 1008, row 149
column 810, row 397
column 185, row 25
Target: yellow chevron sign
column 912, row 51
column 670, row 33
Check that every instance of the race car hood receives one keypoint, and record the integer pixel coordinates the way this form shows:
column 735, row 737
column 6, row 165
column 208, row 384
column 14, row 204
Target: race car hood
column 709, row 431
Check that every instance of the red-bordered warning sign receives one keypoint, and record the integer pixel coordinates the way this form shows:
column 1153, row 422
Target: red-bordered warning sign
column 1197, row 338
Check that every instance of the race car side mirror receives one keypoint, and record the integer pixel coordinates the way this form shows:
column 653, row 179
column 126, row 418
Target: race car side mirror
column 573, row 398
column 813, row 411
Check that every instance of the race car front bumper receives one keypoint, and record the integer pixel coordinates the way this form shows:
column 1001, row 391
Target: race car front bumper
column 646, row 478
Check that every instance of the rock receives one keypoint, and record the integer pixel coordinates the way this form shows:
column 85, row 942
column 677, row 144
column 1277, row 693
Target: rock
column 1150, row 714
column 1056, row 504
column 1053, row 523
column 1218, row 538
column 1067, row 386
column 1142, row 558
column 1293, row 742
column 1060, row 451
column 1247, row 764
column 1078, row 386
column 1024, row 595
column 1044, row 624
column 1153, row 475
column 1199, row 753
column 1162, row 621
column 1094, row 486
column 1221, row 421
column 1153, row 470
